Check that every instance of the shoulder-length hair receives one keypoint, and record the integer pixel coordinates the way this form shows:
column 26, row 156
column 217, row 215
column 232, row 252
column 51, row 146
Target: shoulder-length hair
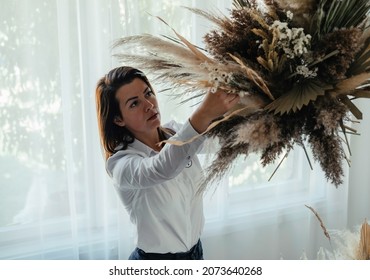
column 107, row 106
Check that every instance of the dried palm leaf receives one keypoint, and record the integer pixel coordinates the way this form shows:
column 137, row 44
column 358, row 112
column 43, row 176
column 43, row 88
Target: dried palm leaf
column 361, row 94
column 344, row 130
column 348, row 85
column 352, row 107
column 338, row 14
column 300, row 95
column 361, row 62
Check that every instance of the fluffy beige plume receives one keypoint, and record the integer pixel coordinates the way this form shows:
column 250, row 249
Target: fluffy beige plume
column 155, row 48
column 259, row 133
column 168, row 61
column 186, row 67
column 363, row 252
column 218, row 20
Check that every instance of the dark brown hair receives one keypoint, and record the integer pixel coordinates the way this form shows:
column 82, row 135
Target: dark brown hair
column 107, row 106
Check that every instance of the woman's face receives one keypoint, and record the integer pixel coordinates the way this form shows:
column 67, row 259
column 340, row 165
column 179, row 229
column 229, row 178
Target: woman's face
column 139, row 109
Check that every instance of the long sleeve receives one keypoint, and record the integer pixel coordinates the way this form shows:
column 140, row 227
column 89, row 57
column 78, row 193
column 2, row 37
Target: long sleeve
column 134, row 168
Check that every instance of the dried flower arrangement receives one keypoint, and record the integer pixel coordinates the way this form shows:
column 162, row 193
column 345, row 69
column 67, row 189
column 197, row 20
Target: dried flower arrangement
column 297, row 66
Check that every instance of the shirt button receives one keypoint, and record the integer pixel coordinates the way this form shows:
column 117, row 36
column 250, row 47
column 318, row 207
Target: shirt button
column 188, row 157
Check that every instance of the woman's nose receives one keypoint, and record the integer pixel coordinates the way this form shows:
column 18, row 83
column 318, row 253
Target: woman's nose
column 149, row 105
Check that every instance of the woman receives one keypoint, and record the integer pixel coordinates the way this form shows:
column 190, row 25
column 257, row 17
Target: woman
column 156, row 183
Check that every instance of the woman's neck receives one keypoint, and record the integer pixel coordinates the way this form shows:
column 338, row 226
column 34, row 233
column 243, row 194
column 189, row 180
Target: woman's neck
column 151, row 140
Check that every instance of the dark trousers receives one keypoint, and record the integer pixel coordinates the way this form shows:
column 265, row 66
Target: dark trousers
column 195, row 253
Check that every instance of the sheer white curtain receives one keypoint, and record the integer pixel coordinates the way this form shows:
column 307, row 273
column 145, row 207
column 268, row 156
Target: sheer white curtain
column 56, row 199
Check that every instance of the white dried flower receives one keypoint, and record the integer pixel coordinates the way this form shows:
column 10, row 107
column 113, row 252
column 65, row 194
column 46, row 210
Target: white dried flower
column 242, row 93
column 213, row 90
column 294, row 42
column 217, row 76
column 289, row 15
column 306, row 72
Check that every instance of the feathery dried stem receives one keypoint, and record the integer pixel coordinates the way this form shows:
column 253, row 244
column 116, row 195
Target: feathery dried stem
column 326, row 233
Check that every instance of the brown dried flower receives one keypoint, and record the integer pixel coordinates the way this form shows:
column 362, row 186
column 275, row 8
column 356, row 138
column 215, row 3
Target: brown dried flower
column 235, row 36
column 329, row 113
column 347, row 43
column 328, row 151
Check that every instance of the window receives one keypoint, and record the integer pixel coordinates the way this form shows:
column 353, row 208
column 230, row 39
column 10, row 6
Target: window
column 57, row 201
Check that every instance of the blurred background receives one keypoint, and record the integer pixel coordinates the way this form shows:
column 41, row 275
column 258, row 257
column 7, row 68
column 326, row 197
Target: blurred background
column 56, row 200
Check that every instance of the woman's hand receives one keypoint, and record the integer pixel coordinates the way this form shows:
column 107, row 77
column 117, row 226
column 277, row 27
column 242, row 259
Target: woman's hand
column 213, row 106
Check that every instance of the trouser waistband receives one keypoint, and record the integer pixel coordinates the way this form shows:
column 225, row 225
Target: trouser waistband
column 195, row 253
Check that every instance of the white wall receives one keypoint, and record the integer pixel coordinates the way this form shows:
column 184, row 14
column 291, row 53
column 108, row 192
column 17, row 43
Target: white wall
column 359, row 173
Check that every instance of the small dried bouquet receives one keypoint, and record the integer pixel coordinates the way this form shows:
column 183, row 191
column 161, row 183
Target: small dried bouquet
column 297, row 66
column 349, row 244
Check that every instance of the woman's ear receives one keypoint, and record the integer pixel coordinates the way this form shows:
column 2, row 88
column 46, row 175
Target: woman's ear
column 119, row 121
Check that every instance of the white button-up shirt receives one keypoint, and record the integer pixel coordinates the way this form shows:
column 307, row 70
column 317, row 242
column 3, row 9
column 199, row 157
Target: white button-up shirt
column 159, row 191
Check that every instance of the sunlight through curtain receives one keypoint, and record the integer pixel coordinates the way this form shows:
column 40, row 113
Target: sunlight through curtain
column 56, row 199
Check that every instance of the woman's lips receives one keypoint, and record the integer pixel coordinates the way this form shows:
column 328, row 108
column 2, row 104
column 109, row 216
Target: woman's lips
column 153, row 117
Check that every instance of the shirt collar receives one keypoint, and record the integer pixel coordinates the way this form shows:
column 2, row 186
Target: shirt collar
column 140, row 146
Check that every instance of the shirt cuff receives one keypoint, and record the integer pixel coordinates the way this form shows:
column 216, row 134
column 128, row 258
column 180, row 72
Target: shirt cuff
column 187, row 132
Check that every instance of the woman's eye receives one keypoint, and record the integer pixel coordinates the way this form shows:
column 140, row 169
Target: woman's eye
column 149, row 93
column 133, row 104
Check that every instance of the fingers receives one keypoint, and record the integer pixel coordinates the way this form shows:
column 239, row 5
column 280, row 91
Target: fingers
column 233, row 97
column 223, row 95
column 216, row 104
column 224, row 99
column 230, row 98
